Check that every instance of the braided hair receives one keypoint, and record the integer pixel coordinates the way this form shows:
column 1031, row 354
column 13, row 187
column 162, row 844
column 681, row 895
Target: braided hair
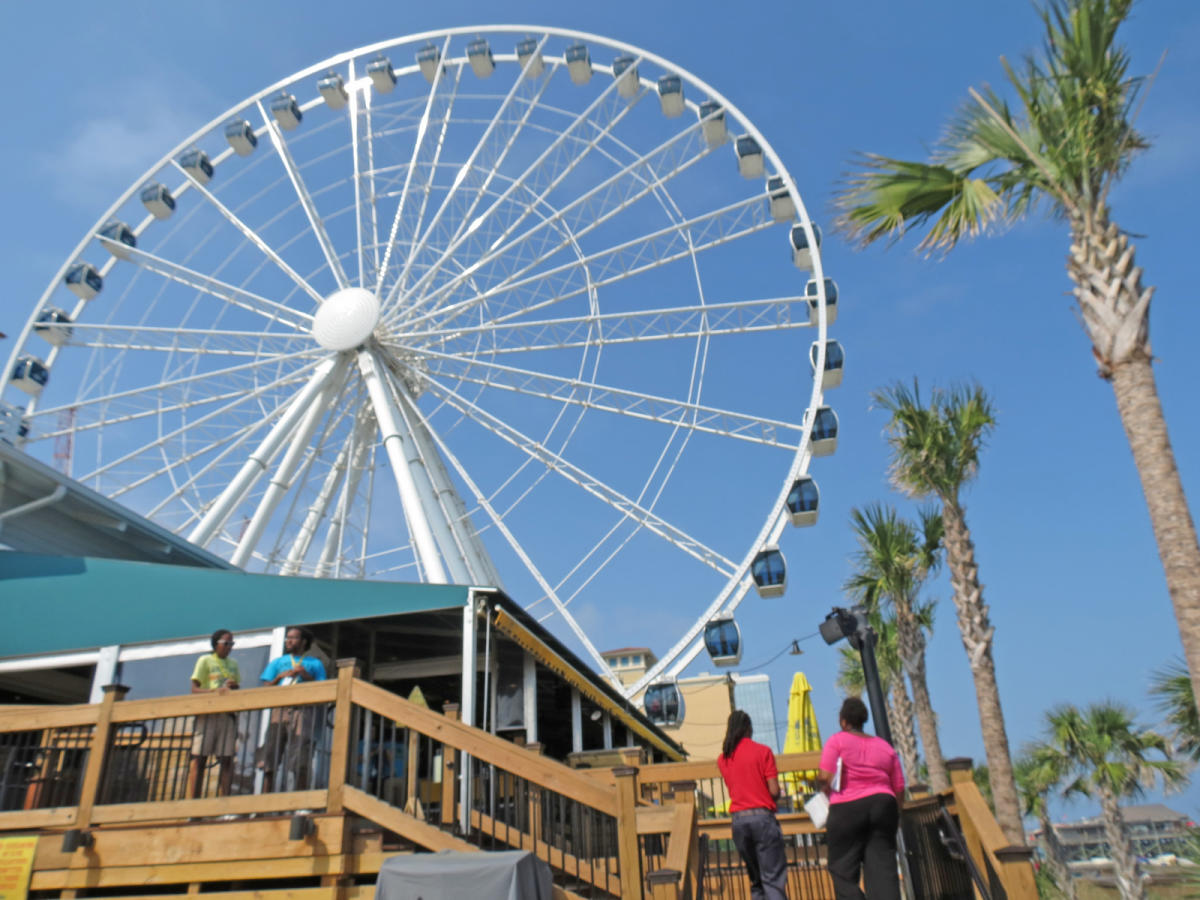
column 738, row 727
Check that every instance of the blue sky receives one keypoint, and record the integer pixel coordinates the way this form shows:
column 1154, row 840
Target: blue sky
column 1064, row 544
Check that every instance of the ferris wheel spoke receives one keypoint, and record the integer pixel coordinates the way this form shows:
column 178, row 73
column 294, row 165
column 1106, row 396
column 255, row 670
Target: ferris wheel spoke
column 236, row 398
column 163, row 386
column 667, row 323
column 610, row 496
column 590, row 210
column 554, row 163
column 488, row 154
column 251, row 235
column 522, row 554
column 289, row 417
column 315, row 222
column 359, row 97
column 647, row 407
column 509, row 300
column 438, row 102
column 281, row 481
column 184, row 340
column 235, row 296
column 335, row 533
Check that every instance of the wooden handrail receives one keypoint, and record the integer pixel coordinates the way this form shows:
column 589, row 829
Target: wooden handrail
column 307, row 694
column 985, row 840
column 546, row 773
column 700, row 770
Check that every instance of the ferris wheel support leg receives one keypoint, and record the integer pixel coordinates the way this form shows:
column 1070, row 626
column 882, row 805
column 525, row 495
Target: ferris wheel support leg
column 478, row 562
column 415, row 514
column 223, row 506
column 337, row 526
column 285, row 472
column 317, row 510
column 439, row 514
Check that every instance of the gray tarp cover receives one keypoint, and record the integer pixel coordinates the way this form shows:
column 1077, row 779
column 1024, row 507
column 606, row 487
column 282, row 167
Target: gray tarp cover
column 506, row 875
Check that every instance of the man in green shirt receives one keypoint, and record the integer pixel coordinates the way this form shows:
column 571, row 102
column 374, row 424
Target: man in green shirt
column 216, row 735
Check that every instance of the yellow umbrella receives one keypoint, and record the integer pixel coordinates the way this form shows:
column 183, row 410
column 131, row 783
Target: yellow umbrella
column 803, row 734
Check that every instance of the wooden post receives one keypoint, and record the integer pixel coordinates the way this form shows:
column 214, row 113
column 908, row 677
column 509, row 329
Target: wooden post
column 412, row 804
column 535, row 800
column 1016, row 872
column 97, row 754
column 627, row 837
column 960, row 769
column 339, row 757
column 449, row 768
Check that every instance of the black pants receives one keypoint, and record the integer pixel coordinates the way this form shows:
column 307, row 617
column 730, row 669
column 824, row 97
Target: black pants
column 759, row 840
column 862, row 839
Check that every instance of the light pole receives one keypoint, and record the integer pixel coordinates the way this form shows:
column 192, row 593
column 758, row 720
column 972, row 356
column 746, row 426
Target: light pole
column 853, row 625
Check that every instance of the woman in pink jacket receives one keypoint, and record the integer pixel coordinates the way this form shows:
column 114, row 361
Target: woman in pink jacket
column 864, row 808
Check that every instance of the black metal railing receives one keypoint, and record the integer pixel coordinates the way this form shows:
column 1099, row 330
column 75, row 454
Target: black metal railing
column 938, row 863
column 723, row 873
column 43, row 769
column 220, row 754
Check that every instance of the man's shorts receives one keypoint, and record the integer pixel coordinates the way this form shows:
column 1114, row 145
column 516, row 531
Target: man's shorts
column 216, row 735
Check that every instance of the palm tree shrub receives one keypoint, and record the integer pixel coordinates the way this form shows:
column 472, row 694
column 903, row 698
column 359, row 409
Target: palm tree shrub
column 893, row 561
column 1070, row 137
column 1105, row 755
column 1171, row 688
column 935, row 453
column 1039, row 775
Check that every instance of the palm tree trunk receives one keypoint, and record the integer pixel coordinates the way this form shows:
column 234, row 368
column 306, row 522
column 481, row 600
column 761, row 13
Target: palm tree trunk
column 977, row 632
column 1129, row 879
column 1174, row 531
column 1056, row 860
column 911, row 645
column 1115, row 308
column 900, row 711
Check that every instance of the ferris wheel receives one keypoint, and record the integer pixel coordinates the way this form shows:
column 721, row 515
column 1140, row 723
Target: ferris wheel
column 505, row 306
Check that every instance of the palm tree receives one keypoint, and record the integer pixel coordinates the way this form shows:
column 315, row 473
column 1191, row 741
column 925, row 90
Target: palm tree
column 1108, row 757
column 935, row 452
column 1070, row 139
column 892, row 563
column 1172, row 690
column 901, row 717
column 1038, row 775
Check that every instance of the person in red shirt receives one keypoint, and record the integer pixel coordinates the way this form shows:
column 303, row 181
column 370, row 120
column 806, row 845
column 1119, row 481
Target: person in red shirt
column 753, row 785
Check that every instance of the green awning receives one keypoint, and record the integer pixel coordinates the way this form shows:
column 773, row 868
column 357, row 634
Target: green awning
column 55, row 604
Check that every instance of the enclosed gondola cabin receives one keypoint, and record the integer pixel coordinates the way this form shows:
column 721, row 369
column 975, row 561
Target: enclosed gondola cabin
column 530, row 57
column 801, row 252
column 723, row 640
column 30, row 375
column 381, row 73
column 117, row 237
column 197, row 164
column 712, row 123
column 824, row 432
column 53, row 325
column 781, row 205
column 803, row 501
column 835, row 359
column 83, row 281
column 670, row 95
column 241, row 137
column 479, row 55
column 749, row 156
column 664, row 703
column 429, row 58
column 579, row 63
column 286, row 111
column 14, row 424
column 625, row 71
column 814, row 300
column 333, row 90
column 769, row 571
column 158, row 200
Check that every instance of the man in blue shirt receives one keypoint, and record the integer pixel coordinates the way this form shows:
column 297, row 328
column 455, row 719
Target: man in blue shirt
column 292, row 731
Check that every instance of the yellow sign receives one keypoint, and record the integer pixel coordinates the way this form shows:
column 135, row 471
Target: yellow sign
column 16, row 862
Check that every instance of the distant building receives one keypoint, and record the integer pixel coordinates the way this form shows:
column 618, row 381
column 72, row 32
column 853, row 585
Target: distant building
column 707, row 702
column 1153, row 828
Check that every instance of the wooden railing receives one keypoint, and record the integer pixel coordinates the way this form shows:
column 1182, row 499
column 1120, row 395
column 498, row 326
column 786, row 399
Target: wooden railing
column 346, row 746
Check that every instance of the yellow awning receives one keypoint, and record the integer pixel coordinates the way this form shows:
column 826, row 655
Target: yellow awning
column 555, row 663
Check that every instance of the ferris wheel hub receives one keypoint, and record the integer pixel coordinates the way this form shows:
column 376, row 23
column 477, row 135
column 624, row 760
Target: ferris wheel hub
column 346, row 319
